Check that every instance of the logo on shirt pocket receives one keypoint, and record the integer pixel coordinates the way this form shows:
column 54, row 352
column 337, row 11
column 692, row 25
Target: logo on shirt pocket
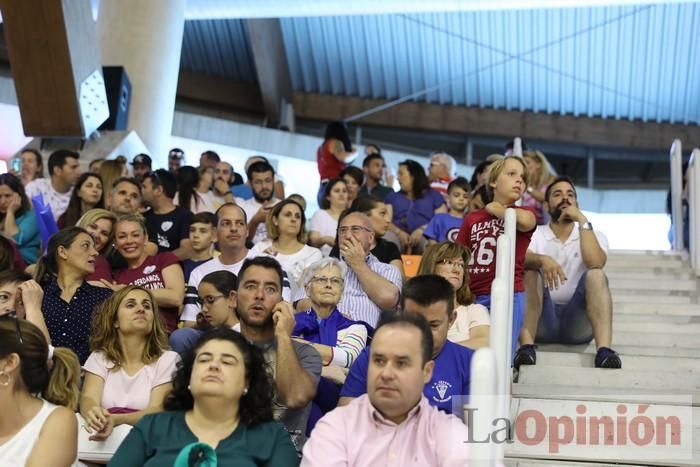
column 165, row 226
column 149, row 269
column 442, row 387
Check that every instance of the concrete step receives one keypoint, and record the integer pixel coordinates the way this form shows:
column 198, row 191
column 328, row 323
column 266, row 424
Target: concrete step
column 663, row 309
column 624, row 317
column 656, row 327
column 520, row 462
column 649, row 273
column 622, row 379
column 630, row 362
column 552, row 439
column 624, row 350
column 575, row 393
column 634, row 262
column 660, row 283
column 649, row 253
column 665, row 340
column 656, row 297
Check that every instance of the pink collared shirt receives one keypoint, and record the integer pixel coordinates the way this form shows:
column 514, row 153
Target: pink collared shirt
column 358, row 435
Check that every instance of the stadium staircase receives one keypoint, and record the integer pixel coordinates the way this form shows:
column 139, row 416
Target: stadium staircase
column 656, row 330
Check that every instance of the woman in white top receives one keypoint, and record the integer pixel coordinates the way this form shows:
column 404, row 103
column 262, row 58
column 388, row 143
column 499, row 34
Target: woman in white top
column 128, row 372
column 450, row 260
column 189, row 184
column 36, row 431
column 286, row 229
column 324, row 222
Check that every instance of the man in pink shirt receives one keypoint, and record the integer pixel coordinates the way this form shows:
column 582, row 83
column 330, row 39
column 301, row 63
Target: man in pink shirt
column 393, row 424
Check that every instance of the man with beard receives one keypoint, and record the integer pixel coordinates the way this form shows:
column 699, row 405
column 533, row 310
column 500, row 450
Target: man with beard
column 568, row 300
column 223, row 178
column 261, row 177
column 268, row 321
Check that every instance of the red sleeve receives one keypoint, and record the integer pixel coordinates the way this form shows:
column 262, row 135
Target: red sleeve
column 166, row 259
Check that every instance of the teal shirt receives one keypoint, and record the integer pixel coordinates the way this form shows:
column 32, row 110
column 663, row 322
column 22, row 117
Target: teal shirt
column 28, row 239
column 157, row 439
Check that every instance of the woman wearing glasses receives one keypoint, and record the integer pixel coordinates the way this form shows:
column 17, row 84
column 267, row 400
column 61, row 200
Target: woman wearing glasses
column 286, row 227
column 128, row 372
column 217, row 297
column 338, row 339
column 37, row 426
column 450, row 260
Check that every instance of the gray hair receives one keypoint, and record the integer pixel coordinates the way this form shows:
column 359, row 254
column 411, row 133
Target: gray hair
column 446, row 160
column 322, row 264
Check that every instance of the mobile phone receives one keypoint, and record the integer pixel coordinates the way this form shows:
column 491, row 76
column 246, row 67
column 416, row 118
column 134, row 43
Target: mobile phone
column 16, row 165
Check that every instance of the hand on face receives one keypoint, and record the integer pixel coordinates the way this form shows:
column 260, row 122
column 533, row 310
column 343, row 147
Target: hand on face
column 221, row 186
column 32, row 295
column 283, row 319
column 352, row 251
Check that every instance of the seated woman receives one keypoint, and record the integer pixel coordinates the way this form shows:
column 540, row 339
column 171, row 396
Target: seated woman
column 450, row 260
column 129, row 372
column 17, row 218
column 21, row 295
column 220, row 405
column 385, row 251
column 99, row 223
column 324, row 222
column 161, row 273
column 37, row 427
column 217, row 297
column 87, row 194
column 69, row 300
column 413, row 205
column 286, row 224
column 540, row 176
column 338, row 339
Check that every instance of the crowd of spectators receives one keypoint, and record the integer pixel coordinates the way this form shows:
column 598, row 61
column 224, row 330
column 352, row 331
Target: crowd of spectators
column 156, row 314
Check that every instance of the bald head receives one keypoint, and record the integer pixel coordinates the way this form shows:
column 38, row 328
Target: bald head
column 356, row 226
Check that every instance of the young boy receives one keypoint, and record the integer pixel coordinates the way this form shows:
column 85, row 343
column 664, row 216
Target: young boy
column 202, row 236
column 445, row 226
column 481, row 229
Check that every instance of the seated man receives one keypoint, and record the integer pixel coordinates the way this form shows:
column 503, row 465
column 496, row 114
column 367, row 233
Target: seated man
column 567, row 295
column 393, row 424
column 267, row 321
column 370, row 285
column 433, row 297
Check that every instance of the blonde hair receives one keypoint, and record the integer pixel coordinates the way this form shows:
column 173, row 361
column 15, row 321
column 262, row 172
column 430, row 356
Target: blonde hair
column 105, row 338
column 136, row 218
column 438, row 252
column 497, row 168
column 94, row 215
column 110, row 171
column 544, row 173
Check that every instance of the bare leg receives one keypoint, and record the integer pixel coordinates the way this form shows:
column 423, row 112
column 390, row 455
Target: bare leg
column 534, row 289
column 599, row 307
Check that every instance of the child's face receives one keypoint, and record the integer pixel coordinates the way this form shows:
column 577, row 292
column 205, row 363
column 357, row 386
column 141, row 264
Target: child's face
column 510, row 184
column 458, row 199
column 201, row 236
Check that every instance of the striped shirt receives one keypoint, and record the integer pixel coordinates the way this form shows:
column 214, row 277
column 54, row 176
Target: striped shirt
column 355, row 303
column 350, row 343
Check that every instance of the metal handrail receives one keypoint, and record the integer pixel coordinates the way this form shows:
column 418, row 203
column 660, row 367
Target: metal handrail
column 677, row 194
column 694, row 208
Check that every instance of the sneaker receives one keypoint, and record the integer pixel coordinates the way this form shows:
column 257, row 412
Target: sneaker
column 525, row 355
column 607, row 358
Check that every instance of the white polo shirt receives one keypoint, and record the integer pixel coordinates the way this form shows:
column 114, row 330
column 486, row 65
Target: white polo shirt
column 567, row 254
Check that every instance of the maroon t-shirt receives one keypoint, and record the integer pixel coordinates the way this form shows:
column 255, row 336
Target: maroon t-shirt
column 103, row 270
column 328, row 165
column 150, row 276
column 479, row 233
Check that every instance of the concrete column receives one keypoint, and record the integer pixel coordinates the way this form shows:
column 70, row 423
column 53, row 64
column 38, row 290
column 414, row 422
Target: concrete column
column 145, row 37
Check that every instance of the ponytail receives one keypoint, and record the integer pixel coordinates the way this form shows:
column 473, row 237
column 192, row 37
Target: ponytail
column 43, row 270
column 64, row 379
column 48, row 264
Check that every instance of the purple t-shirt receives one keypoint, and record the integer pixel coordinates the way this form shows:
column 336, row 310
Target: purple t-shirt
column 150, row 276
column 409, row 214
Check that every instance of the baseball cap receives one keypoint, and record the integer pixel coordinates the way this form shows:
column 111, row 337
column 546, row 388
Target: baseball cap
column 144, row 159
column 176, row 153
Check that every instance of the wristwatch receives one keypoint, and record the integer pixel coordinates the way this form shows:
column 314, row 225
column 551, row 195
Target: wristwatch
column 585, row 226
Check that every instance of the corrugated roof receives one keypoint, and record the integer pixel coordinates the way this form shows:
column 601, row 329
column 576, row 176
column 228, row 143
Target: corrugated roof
column 614, row 62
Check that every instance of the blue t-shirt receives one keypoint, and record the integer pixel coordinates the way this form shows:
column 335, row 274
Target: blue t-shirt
column 443, row 227
column 409, row 214
column 451, row 377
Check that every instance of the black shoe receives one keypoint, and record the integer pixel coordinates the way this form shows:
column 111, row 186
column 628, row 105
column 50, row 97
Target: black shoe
column 607, row 358
column 526, row 355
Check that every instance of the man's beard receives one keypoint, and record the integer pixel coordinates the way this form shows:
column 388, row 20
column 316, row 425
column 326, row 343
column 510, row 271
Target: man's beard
column 555, row 214
column 261, row 199
column 267, row 322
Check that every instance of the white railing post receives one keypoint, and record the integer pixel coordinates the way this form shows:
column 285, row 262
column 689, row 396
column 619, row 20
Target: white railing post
column 499, row 337
column 694, row 208
column 509, row 226
column 517, row 146
column 677, row 194
column 482, row 400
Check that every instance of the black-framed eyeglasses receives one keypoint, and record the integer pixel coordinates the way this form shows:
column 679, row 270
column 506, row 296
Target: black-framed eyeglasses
column 13, row 315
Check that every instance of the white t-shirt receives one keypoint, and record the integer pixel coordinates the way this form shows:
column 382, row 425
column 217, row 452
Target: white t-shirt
column 293, row 264
column 192, row 307
column 567, row 255
column 251, row 207
column 133, row 392
column 325, row 225
column 206, row 202
column 57, row 201
column 468, row 317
